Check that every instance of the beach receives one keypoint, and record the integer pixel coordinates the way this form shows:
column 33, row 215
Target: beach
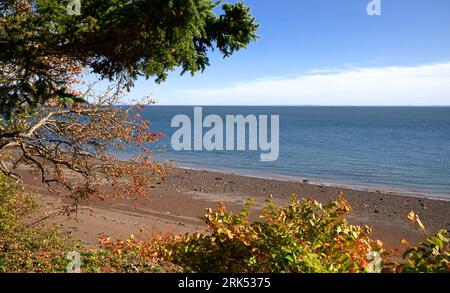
column 176, row 205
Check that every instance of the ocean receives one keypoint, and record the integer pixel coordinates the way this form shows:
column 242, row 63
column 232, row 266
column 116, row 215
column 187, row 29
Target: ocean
column 394, row 149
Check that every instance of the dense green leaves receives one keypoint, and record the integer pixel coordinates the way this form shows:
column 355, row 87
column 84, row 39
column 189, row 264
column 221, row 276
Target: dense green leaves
column 118, row 39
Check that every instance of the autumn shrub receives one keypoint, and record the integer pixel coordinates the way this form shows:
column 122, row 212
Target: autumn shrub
column 27, row 249
column 304, row 236
column 431, row 255
column 14, row 203
column 44, row 249
column 126, row 256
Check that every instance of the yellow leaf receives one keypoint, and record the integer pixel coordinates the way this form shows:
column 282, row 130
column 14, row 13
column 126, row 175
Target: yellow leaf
column 412, row 216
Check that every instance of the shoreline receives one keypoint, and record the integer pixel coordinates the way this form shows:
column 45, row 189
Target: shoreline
column 314, row 181
column 176, row 205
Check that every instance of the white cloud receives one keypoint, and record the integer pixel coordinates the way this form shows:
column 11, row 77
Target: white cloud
column 414, row 85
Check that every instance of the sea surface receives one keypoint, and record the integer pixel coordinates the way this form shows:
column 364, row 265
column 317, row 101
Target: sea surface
column 395, row 149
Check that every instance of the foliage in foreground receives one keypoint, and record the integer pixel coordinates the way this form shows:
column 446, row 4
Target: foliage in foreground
column 431, row 255
column 306, row 236
column 27, row 249
column 44, row 249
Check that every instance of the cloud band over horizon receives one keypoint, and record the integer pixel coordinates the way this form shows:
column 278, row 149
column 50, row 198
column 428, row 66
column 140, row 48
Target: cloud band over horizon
column 390, row 86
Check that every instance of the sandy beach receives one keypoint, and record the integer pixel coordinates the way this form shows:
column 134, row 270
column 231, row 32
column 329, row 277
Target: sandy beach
column 176, row 204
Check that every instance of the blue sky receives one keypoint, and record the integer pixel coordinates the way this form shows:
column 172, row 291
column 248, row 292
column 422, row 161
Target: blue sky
column 327, row 52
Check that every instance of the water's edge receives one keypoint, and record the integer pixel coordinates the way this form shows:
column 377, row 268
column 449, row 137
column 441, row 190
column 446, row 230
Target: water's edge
column 316, row 182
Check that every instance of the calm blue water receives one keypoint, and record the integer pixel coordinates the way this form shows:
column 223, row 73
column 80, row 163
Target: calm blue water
column 399, row 149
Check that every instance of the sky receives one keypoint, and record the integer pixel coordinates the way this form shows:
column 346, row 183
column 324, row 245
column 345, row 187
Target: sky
column 326, row 52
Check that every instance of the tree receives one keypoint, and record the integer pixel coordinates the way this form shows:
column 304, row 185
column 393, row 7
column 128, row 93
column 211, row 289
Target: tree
column 118, row 39
column 69, row 144
column 64, row 136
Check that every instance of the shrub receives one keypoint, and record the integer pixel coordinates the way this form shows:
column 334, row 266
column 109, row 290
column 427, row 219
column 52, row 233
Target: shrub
column 430, row 256
column 129, row 256
column 44, row 249
column 14, row 203
column 39, row 249
column 303, row 237
column 27, row 249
